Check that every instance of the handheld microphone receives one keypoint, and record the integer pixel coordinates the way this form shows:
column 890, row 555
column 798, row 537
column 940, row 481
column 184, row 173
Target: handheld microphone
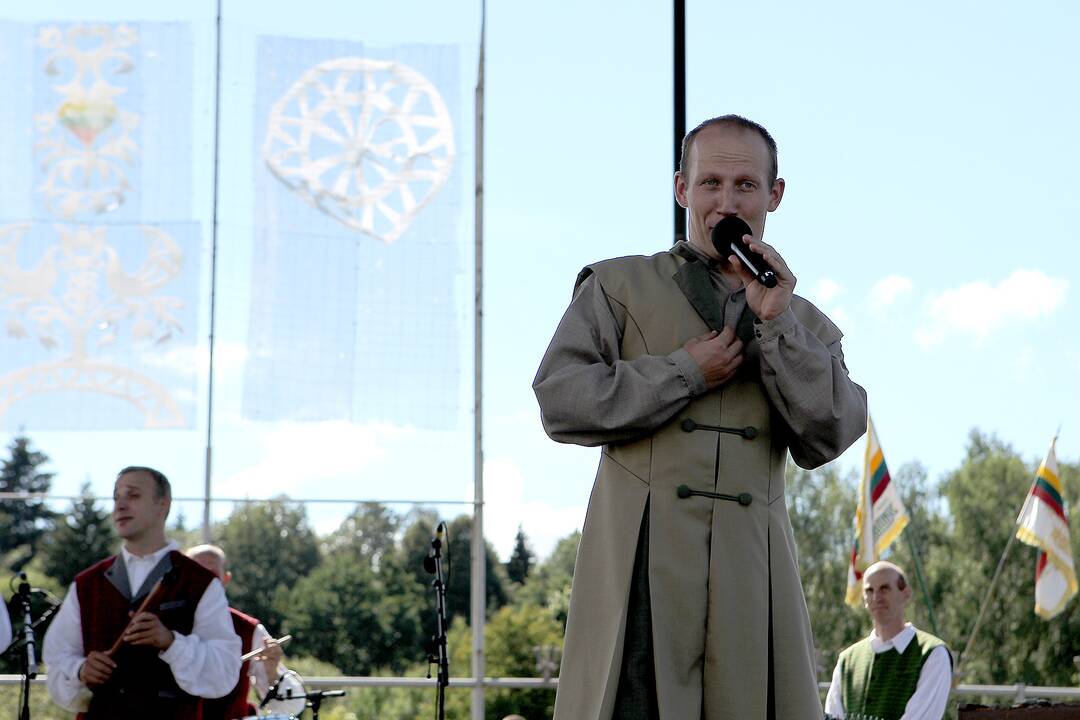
column 727, row 238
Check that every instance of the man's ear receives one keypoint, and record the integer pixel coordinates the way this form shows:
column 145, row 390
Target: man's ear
column 776, row 193
column 680, row 190
column 228, row 576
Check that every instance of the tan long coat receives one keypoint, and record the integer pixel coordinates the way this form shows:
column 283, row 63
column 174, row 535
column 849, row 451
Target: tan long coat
column 712, row 563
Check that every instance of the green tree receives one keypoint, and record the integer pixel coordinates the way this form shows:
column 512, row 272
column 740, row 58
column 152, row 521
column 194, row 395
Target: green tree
column 369, row 533
column 347, row 613
column 80, row 538
column 521, row 559
column 822, row 508
column 270, row 547
column 23, row 522
column 514, row 640
column 457, row 567
column 1014, row 645
column 548, row 586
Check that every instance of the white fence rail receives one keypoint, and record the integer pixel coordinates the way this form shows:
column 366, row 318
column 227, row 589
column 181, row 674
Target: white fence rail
column 1018, row 692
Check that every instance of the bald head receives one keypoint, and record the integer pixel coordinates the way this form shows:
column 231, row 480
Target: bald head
column 886, row 570
column 210, row 557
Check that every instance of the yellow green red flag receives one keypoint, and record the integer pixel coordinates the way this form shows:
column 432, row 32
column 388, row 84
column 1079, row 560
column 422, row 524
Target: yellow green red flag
column 1043, row 522
column 879, row 516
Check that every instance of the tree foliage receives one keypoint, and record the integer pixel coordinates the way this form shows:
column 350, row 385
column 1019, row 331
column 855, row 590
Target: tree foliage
column 23, row 522
column 270, row 547
column 81, row 538
column 360, row 601
column 521, row 559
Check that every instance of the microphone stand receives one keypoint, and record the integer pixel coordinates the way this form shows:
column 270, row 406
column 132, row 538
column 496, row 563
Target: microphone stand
column 314, row 699
column 29, row 661
column 433, row 564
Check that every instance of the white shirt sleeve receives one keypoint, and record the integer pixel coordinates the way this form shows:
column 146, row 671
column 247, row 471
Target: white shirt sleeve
column 206, row 663
column 834, row 701
column 5, row 626
column 258, row 671
column 932, row 690
column 64, row 655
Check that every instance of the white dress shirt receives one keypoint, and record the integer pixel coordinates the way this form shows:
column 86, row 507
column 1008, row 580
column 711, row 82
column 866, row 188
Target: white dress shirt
column 262, row 682
column 931, row 691
column 205, row 663
column 5, row 626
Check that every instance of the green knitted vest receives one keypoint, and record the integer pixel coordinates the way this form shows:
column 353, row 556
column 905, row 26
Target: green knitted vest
column 880, row 685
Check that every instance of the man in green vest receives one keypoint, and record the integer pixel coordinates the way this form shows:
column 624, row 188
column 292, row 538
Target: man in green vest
column 897, row 672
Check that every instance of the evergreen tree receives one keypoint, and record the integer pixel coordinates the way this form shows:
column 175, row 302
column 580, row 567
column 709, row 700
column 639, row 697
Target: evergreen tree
column 23, row 522
column 521, row 560
column 80, row 538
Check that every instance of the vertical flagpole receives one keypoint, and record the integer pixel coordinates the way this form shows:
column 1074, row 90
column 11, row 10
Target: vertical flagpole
column 479, row 580
column 213, row 288
column 679, row 102
column 985, row 604
column 990, row 591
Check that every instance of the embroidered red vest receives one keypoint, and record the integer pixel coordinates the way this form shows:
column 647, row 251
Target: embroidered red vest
column 235, row 704
column 142, row 685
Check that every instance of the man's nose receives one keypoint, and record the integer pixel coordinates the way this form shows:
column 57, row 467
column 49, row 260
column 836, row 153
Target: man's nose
column 727, row 204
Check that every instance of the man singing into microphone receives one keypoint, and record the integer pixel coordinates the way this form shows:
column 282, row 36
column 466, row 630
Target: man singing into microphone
column 180, row 649
column 698, row 381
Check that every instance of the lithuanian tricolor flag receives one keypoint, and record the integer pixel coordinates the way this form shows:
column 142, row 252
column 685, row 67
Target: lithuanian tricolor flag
column 1044, row 524
column 879, row 517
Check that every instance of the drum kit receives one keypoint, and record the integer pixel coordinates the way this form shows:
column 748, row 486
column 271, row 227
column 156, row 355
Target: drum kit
column 310, row 698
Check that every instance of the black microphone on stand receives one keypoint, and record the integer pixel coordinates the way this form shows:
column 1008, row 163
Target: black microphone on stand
column 727, row 237
column 436, row 546
column 271, row 694
column 28, row 626
column 441, row 656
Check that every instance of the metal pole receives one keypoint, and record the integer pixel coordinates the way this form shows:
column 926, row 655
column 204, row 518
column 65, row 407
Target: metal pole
column 213, row 286
column 479, row 580
column 679, row 102
column 989, row 593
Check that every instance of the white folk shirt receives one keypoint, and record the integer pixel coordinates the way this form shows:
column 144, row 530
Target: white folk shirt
column 931, row 691
column 5, row 626
column 261, row 680
column 205, row 663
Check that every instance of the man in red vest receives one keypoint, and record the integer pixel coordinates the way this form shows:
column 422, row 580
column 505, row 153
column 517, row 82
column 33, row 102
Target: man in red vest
column 178, row 650
column 266, row 670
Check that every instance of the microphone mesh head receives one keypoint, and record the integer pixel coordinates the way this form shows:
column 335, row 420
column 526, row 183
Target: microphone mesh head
column 730, row 229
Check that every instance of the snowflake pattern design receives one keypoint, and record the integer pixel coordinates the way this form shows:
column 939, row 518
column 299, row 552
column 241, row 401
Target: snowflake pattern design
column 368, row 142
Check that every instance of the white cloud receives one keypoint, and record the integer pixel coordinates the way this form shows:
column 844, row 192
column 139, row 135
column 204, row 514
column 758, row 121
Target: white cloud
column 825, row 290
column 979, row 308
column 297, row 456
column 888, row 290
column 505, row 508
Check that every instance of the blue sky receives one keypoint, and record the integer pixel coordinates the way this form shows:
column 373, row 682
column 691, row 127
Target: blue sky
column 929, row 154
